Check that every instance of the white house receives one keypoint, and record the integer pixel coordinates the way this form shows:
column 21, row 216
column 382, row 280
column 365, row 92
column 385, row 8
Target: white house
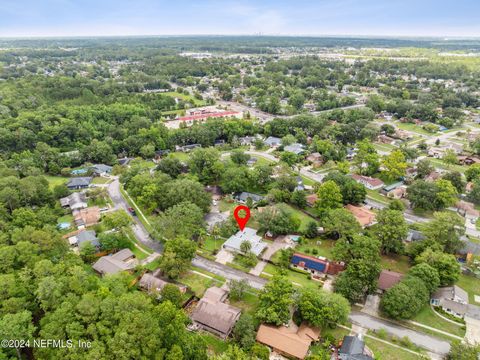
column 234, row 242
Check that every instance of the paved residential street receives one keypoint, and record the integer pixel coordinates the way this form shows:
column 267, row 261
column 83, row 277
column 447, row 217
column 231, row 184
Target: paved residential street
column 139, row 230
column 228, row 272
column 427, row 342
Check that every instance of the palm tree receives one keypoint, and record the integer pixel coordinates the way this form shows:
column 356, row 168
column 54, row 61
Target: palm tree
column 245, row 246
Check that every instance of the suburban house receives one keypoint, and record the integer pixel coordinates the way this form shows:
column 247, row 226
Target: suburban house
column 317, row 266
column 364, row 216
column 468, row 160
column 414, row 235
column 86, row 217
column 468, row 211
column 187, row 148
column 244, row 196
column 252, row 161
column 397, row 193
column 152, row 284
column 385, row 139
column 433, row 176
column 246, row 140
column 311, row 199
column 101, row 170
column 368, row 182
column 452, row 299
column 353, row 348
column 289, row 341
column 316, row 159
column 295, row 148
column 438, row 152
column 74, row 201
column 84, row 237
column 272, row 141
column 300, row 186
column 212, row 314
column 123, row 260
column 234, row 242
column 77, row 183
column 388, row 279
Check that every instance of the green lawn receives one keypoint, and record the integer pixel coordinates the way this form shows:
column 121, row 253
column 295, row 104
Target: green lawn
column 198, row 283
column 383, row 351
column 65, row 219
column 56, row 180
column 375, row 195
column 215, row 345
column 211, row 244
column 185, row 97
column 427, row 317
column 248, row 304
column 322, row 247
column 101, row 180
column 396, row 263
column 225, row 205
column 440, row 164
column 413, row 128
column 298, row 278
column 304, row 218
column 180, row 155
column 471, row 285
column 384, row 147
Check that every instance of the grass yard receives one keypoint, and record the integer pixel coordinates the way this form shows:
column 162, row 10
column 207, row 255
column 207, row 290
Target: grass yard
column 211, row 244
column 440, row 164
column 215, row 345
column 180, row 156
column 248, row 304
column 396, row 263
column 198, row 283
column 413, row 128
column 320, row 246
column 101, row 180
column 225, row 205
column 68, row 218
column 297, row 278
column 471, row 285
column 56, row 180
column 427, row 317
column 304, row 218
column 384, row 147
column 185, row 97
column 375, row 195
column 384, row 351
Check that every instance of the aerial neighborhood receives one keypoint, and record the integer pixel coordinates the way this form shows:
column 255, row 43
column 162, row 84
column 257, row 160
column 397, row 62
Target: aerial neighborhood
column 122, row 166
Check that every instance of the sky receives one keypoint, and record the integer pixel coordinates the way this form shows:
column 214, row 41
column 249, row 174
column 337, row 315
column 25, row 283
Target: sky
column 52, row 18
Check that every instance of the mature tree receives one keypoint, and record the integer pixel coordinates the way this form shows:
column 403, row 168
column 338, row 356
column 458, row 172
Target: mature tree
column 184, row 190
column 424, row 168
column 239, row 157
column 329, row 196
column 445, row 229
column 289, row 158
column 205, row 163
column 394, row 165
column 311, row 230
column 278, row 220
column 391, row 229
column 172, row 293
column 117, row 220
column 461, row 351
column 474, row 194
column 340, row 223
column 427, row 274
column 352, row 192
column 456, row 179
column 397, row 205
column 431, row 196
column 322, row 309
column 446, row 195
column 170, row 166
column 177, row 257
column 238, row 288
column 261, row 175
column 275, row 301
column 405, row 299
column 473, row 172
column 446, row 264
column 189, row 215
column 235, row 179
column 367, row 159
column 17, row 326
column 244, row 332
column 450, row 157
column 233, row 352
column 299, row 198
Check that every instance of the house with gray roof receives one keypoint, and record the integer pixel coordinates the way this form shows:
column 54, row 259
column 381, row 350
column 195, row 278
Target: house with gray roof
column 272, row 141
column 234, row 242
column 212, row 314
column 74, row 201
column 353, row 348
column 84, row 237
column 123, row 260
column 77, row 183
column 242, row 197
column 295, row 148
column 452, row 299
column 101, row 169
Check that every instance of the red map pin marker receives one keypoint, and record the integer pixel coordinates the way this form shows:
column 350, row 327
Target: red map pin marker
column 241, row 221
